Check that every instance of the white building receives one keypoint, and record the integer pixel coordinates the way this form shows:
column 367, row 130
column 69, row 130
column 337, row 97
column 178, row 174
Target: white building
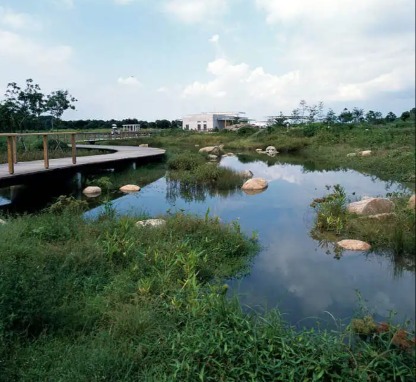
column 131, row 128
column 209, row 121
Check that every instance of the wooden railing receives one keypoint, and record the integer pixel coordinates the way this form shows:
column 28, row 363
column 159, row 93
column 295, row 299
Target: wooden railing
column 94, row 137
column 67, row 137
column 12, row 146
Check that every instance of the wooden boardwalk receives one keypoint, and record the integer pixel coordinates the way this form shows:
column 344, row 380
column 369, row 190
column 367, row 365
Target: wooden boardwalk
column 119, row 153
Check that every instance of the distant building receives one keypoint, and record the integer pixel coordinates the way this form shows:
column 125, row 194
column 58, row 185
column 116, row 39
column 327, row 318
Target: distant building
column 132, row 127
column 261, row 124
column 210, row 121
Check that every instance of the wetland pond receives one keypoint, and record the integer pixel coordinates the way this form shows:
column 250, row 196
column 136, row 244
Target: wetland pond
column 300, row 276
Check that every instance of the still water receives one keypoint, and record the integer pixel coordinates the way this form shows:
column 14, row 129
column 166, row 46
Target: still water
column 293, row 272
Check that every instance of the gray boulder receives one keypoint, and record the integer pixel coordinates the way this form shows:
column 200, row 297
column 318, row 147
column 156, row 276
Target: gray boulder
column 215, row 150
column 271, row 150
column 354, row 245
column 371, row 206
column 365, row 153
column 129, row 188
column 151, row 223
column 255, row 184
column 92, row 191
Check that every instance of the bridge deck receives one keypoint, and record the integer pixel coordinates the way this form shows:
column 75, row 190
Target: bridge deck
column 119, row 153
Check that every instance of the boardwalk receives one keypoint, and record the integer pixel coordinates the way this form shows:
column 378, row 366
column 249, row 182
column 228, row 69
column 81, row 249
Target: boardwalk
column 120, row 153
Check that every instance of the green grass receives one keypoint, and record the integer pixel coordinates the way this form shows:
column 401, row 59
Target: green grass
column 393, row 146
column 191, row 177
column 393, row 236
column 84, row 300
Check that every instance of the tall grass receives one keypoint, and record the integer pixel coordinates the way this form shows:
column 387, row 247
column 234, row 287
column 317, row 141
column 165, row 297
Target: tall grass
column 85, row 300
column 392, row 236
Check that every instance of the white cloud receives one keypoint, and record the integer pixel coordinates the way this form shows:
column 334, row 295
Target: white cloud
column 345, row 51
column 241, row 86
column 195, row 11
column 129, row 81
column 214, row 39
column 14, row 47
column 15, row 20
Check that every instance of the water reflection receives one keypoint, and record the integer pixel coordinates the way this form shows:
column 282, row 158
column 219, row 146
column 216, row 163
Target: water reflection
column 293, row 270
column 302, row 275
column 194, row 192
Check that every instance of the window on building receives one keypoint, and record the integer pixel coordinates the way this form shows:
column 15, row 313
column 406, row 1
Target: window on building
column 205, row 126
column 186, row 127
column 199, row 126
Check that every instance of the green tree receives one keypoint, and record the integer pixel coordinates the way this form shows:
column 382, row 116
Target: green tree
column 162, row 124
column 345, row 116
column 23, row 105
column 57, row 102
column 330, row 117
column 374, row 117
column 390, row 117
column 358, row 115
column 405, row 116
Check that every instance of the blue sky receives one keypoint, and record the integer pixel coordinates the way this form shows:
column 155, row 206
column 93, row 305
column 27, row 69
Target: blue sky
column 167, row 58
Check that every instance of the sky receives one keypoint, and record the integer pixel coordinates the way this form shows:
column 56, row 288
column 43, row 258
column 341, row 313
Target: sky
column 163, row 59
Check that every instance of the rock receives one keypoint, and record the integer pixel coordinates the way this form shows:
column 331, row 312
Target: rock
column 144, row 145
column 371, row 206
column 354, row 245
column 151, row 223
column 259, row 150
column 92, row 191
column 211, row 150
column 365, row 153
column 411, row 202
column 196, row 145
column 271, row 150
column 352, row 155
column 212, row 157
column 255, row 184
column 2, row 222
column 383, row 216
column 228, row 155
column 246, row 174
column 129, row 188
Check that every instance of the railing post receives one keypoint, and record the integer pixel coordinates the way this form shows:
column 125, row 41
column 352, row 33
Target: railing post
column 10, row 158
column 14, row 137
column 74, row 149
column 45, row 151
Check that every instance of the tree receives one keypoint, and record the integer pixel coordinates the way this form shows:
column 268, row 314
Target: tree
column 345, row 116
column 295, row 115
column 374, row 117
column 23, row 105
column 57, row 102
column 390, row 117
column 303, row 108
column 358, row 115
column 313, row 111
column 405, row 116
column 162, row 124
column 330, row 117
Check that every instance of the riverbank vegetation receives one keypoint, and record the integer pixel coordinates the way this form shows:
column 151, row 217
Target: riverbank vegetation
column 105, row 299
column 391, row 234
column 327, row 147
